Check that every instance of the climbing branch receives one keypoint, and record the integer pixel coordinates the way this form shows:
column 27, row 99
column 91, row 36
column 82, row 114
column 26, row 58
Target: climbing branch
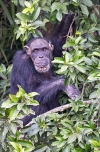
column 61, row 108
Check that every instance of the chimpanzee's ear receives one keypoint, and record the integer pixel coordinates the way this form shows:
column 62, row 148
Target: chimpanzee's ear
column 51, row 47
column 27, row 49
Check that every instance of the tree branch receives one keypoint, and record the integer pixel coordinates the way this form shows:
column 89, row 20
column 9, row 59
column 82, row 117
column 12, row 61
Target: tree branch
column 60, row 108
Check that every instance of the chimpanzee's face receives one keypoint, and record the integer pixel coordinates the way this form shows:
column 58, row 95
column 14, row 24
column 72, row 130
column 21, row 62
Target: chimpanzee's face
column 41, row 55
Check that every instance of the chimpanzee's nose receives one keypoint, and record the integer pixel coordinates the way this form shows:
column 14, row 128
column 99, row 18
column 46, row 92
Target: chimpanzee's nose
column 41, row 56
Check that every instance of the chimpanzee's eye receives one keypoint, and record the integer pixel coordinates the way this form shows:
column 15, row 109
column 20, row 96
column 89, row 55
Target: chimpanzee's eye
column 35, row 50
column 44, row 49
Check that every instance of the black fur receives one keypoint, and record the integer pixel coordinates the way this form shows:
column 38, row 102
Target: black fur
column 60, row 34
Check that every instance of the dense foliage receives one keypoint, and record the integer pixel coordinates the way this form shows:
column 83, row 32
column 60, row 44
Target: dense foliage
column 78, row 129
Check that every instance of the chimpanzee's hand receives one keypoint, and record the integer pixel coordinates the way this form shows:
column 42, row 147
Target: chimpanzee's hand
column 72, row 91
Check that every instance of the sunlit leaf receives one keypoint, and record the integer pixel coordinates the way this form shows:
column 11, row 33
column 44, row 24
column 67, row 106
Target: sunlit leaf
column 13, row 113
column 87, row 2
column 8, row 104
column 72, row 138
column 27, row 4
column 84, row 9
column 59, row 16
column 80, row 68
column 23, row 16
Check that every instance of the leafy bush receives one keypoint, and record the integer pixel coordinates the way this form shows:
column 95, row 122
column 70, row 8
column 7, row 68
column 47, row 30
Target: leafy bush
column 76, row 130
column 81, row 66
column 36, row 13
column 4, row 81
column 11, row 113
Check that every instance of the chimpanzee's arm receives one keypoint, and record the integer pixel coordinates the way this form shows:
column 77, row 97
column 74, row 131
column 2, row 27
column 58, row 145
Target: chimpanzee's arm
column 49, row 90
column 59, row 37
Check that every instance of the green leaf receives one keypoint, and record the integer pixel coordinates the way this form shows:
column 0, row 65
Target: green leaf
column 9, row 68
column 38, row 23
column 27, row 4
column 13, row 113
column 20, row 106
column 63, row 69
column 68, row 44
column 74, row 1
column 93, row 95
column 41, row 148
column 94, row 18
column 80, row 60
column 58, row 60
column 87, row 2
column 98, row 93
column 88, row 61
column 34, row 103
column 42, row 3
column 3, row 76
column 16, row 146
column 4, row 133
column 80, row 68
column 23, row 16
column 59, row 16
column 78, row 40
column 21, row 92
column 95, row 143
column 79, row 136
column 8, row 104
column 61, row 143
column 93, row 29
column 21, row 2
column 22, row 30
column 54, row 6
column 14, row 98
column 87, row 131
column 92, row 124
column 84, row 9
column 93, row 76
column 2, row 68
column 35, row 1
column 73, row 76
column 96, row 54
column 78, row 33
column 27, row 110
column 33, row 130
column 76, row 56
column 67, row 59
column 13, row 127
column 91, row 39
column 72, row 138
column 15, row 2
column 24, row 143
column 36, row 13
column 26, row 10
column 32, row 94
column 38, row 33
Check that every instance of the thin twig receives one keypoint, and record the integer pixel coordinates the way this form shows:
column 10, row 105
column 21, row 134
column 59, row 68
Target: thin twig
column 70, row 28
column 83, row 89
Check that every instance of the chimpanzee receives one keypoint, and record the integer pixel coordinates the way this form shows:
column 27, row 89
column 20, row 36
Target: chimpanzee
column 32, row 69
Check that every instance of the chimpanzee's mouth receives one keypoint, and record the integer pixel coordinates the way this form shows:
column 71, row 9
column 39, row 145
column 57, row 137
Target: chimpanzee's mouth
column 42, row 69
